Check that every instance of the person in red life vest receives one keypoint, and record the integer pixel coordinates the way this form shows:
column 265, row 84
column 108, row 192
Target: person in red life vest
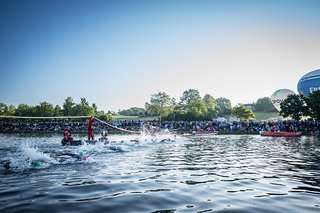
column 67, row 134
column 90, row 130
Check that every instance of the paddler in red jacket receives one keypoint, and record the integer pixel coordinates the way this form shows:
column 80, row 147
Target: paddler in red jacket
column 90, row 130
column 67, row 134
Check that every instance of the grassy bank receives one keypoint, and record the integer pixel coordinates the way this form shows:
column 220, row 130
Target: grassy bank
column 260, row 116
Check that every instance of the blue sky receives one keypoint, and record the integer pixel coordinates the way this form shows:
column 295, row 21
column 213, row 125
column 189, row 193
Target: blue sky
column 117, row 53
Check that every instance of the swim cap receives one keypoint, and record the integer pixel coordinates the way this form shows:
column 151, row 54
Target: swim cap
column 37, row 164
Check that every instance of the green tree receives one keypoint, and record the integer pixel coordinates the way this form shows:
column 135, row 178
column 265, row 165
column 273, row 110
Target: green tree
column 264, row 105
column 197, row 110
column 44, row 109
column 3, row 109
column 105, row 117
column 294, row 106
column 188, row 95
column 11, row 110
column 25, row 110
column 313, row 103
column 112, row 113
column 100, row 113
column 193, row 107
column 83, row 108
column 211, row 106
column 160, row 104
column 242, row 112
column 95, row 108
column 223, row 107
column 68, row 107
column 7, row 110
column 178, row 113
column 58, row 111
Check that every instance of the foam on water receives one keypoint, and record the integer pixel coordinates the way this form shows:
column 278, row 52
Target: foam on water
column 27, row 157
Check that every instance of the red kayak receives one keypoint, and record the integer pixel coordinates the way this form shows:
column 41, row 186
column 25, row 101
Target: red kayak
column 281, row 134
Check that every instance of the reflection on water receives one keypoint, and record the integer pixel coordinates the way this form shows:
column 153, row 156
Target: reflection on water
column 135, row 174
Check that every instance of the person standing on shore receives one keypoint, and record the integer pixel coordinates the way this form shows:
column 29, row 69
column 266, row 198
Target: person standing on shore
column 90, row 130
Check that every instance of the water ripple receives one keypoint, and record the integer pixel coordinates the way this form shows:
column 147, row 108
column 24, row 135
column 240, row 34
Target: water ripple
column 209, row 174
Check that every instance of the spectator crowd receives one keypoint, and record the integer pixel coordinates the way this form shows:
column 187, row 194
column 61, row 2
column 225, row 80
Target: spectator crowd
column 227, row 127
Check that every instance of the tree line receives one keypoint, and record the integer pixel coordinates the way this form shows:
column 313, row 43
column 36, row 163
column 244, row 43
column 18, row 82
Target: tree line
column 191, row 106
column 45, row 109
column 194, row 107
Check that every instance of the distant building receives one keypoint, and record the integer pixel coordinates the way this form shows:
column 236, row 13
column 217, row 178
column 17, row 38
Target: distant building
column 249, row 106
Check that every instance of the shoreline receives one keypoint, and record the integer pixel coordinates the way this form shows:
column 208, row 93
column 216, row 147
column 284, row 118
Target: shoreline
column 121, row 133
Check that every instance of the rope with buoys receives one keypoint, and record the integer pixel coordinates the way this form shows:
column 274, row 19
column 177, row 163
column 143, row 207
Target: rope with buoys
column 57, row 117
column 115, row 127
column 70, row 117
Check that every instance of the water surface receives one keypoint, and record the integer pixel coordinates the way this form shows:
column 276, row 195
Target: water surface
column 144, row 174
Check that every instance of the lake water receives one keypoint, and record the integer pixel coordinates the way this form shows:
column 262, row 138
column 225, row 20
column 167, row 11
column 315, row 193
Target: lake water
column 191, row 174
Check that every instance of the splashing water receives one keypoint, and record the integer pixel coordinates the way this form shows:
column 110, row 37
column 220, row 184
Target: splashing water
column 28, row 156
